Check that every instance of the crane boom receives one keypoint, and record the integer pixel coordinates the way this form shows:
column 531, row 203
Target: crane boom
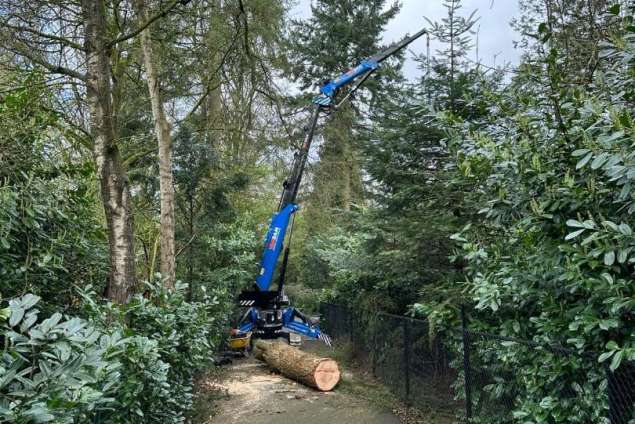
column 331, row 88
column 268, row 314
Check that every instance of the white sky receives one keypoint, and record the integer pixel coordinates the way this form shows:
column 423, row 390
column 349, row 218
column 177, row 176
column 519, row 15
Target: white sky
column 495, row 35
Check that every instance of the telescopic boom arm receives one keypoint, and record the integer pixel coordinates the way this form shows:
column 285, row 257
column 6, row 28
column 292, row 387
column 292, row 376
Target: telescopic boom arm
column 327, row 92
column 369, row 65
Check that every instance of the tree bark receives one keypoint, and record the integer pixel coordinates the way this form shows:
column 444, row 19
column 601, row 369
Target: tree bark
column 162, row 130
column 213, row 102
column 320, row 373
column 115, row 190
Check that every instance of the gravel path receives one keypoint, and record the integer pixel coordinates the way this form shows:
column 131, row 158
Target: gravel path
column 251, row 393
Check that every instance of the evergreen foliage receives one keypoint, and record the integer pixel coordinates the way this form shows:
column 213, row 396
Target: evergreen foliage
column 336, row 37
column 531, row 174
column 50, row 233
column 508, row 190
column 129, row 363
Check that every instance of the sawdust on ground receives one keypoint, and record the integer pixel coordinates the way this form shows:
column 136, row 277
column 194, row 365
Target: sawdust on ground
column 250, row 393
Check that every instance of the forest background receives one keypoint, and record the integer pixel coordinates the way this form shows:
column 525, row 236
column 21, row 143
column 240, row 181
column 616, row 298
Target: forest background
column 143, row 145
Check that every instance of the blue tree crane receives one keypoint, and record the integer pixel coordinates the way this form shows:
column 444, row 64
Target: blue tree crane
column 269, row 313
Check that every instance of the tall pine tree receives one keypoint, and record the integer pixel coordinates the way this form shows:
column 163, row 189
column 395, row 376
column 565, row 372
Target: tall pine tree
column 337, row 36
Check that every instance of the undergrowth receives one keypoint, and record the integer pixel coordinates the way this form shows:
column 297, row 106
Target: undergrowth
column 132, row 363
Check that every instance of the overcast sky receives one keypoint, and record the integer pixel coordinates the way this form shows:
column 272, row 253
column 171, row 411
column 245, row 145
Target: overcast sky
column 495, row 34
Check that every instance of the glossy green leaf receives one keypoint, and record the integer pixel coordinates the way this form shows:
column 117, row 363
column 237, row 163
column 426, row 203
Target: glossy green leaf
column 625, row 229
column 617, row 360
column 29, row 300
column 606, row 355
column 580, row 152
column 582, row 162
column 5, row 313
column 599, row 161
column 17, row 313
column 574, row 234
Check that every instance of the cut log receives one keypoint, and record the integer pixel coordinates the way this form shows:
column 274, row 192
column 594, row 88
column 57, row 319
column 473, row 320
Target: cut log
column 311, row 370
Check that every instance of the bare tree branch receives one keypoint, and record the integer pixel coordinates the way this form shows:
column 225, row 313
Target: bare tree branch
column 160, row 14
column 209, row 88
column 61, row 40
column 55, row 69
column 185, row 246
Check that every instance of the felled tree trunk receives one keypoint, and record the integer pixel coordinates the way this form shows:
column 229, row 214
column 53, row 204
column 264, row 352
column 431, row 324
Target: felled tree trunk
column 320, row 373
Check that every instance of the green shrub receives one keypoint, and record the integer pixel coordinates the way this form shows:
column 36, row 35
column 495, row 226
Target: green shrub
column 62, row 370
column 132, row 363
column 551, row 259
column 51, row 233
column 178, row 340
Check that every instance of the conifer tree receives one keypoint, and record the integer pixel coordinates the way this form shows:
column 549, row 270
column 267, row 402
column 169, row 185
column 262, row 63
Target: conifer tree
column 454, row 31
column 337, row 36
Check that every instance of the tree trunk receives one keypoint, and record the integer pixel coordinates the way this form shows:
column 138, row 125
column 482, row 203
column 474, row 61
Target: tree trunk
column 213, row 104
column 190, row 248
column 320, row 373
column 452, row 92
column 162, row 130
column 115, row 190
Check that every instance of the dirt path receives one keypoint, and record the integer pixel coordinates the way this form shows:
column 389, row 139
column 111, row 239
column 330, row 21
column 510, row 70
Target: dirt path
column 250, row 392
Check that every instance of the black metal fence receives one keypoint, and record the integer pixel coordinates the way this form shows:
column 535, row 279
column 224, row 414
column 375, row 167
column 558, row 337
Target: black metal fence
column 484, row 378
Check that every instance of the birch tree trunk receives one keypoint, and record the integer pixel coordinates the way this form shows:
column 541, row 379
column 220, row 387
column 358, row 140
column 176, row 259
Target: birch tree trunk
column 115, row 190
column 162, row 130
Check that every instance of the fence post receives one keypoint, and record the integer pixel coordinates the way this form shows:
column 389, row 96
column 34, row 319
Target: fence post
column 406, row 357
column 466, row 365
column 351, row 327
column 375, row 347
column 335, row 312
column 341, row 327
column 338, row 321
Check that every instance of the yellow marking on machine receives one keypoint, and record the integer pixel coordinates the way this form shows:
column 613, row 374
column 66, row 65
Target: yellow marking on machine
column 239, row 341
